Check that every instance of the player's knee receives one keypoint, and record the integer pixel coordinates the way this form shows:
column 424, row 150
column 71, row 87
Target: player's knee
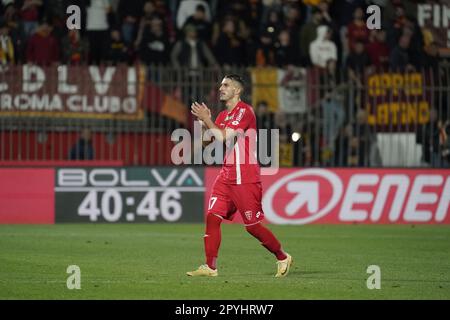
column 212, row 219
column 253, row 229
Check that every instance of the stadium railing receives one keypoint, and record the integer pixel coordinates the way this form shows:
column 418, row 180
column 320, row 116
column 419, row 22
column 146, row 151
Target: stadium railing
column 368, row 119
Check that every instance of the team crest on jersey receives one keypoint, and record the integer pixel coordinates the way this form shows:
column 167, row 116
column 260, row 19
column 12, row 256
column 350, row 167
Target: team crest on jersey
column 248, row 214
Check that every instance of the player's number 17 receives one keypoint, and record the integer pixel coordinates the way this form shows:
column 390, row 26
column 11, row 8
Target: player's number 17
column 212, row 201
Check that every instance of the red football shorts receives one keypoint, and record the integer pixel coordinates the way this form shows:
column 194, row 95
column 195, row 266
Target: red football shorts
column 226, row 198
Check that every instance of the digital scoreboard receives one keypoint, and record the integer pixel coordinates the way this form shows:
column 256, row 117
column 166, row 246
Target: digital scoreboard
column 135, row 194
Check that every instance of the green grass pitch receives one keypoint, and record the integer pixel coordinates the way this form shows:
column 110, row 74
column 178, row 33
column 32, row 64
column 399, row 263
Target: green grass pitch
column 149, row 261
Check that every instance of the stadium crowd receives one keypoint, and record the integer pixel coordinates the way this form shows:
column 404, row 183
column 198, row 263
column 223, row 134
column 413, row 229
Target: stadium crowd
column 329, row 35
column 200, row 33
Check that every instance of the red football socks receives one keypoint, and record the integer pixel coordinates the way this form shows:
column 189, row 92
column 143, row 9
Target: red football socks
column 212, row 239
column 267, row 239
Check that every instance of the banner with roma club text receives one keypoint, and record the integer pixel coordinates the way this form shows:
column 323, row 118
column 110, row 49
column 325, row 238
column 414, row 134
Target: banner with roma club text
column 398, row 102
column 99, row 92
column 343, row 196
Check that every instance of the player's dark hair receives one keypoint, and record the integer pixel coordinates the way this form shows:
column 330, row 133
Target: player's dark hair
column 237, row 78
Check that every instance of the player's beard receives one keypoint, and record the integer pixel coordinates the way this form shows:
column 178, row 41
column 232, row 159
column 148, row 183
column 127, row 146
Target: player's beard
column 224, row 98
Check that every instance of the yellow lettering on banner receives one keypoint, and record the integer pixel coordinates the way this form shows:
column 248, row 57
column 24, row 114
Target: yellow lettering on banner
column 415, row 84
column 382, row 114
column 374, row 85
column 404, row 113
column 424, row 112
column 412, row 114
column 397, row 83
column 394, row 110
column 409, row 84
column 370, row 117
column 399, row 113
column 386, row 83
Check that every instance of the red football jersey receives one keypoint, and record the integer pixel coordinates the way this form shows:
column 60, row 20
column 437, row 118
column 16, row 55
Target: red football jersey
column 240, row 163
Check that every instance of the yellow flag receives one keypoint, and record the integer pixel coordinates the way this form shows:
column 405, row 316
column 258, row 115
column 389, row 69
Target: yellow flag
column 265, row 87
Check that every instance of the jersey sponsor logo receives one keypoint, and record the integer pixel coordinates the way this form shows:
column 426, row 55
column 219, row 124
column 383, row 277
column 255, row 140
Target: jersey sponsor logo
column 364, row 196
column 240, row 115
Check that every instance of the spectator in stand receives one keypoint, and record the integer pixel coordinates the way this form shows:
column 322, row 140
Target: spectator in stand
column 358, row 61
column 43, row 48
column 74, row 48
column 83, row 148
column 149, row 13
column 322, row 49
column 445, row 144
column 199, row 21
column 154, row 47
column 415, row 50
column 6, row 45
column 29, row 13
column 357, row 64
column 395, row 27
column 229, row 48
column 273, row 26
column 342, row 11
column 97, row 27
column 117, row 49
column 265, row 52
column 187, row 8
column 13, row 23
column 363, row 143
column 341, row 155
column 399, row 59
column 191, row 52
column 429, row 136
column 254, row 14
column 169, row 25
column 357, row 30
column 430, row 61
column 242, row 30
column 332, row 106
column 324, row 7
column 264, row 117
column 129, row 13
column 378, row 50
column 241, row 12
column 285, row 52
column 292, row 22
column 308, row 33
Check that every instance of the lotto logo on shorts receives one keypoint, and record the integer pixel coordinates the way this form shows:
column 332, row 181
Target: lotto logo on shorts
column 248, row 215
